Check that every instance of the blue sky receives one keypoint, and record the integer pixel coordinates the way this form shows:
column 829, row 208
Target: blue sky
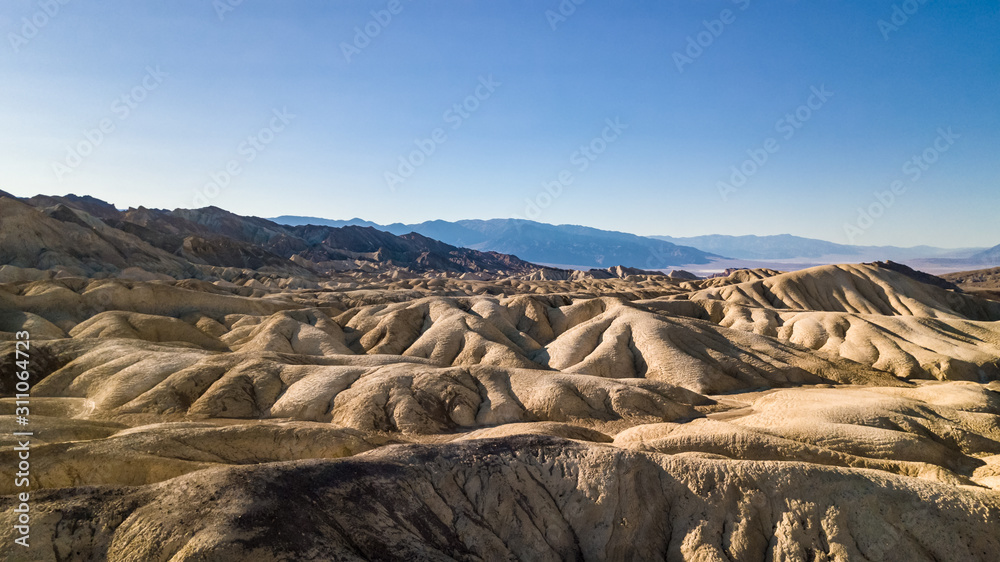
column 326, row 128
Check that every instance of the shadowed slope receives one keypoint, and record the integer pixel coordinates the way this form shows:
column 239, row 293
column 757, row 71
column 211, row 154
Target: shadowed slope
column 526, row 498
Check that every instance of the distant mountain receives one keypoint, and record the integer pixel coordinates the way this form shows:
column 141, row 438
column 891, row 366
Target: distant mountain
column 591, row 247
column 783, row 246
column 292, row 220
column 85, row 236
column 542, row 243
column 788, row 247
column 988, row 257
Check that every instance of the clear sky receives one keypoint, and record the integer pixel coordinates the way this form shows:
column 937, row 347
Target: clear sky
column 690, row 87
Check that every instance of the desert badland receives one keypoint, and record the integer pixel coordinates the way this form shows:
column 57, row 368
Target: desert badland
column 206, row 386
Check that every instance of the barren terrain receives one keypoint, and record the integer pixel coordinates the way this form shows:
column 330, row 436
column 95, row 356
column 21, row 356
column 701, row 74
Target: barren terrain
column 397, row 412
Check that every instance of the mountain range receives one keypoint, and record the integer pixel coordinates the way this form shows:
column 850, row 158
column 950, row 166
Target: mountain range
column 87, row 236
column 567, row 245
column 987, row 257
column 591, row 247
column 788, row 247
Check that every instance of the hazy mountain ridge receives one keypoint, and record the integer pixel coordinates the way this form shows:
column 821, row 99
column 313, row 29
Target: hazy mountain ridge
column 782, row 246
column 787, row 246
column 987, row 257
column 544, row 243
